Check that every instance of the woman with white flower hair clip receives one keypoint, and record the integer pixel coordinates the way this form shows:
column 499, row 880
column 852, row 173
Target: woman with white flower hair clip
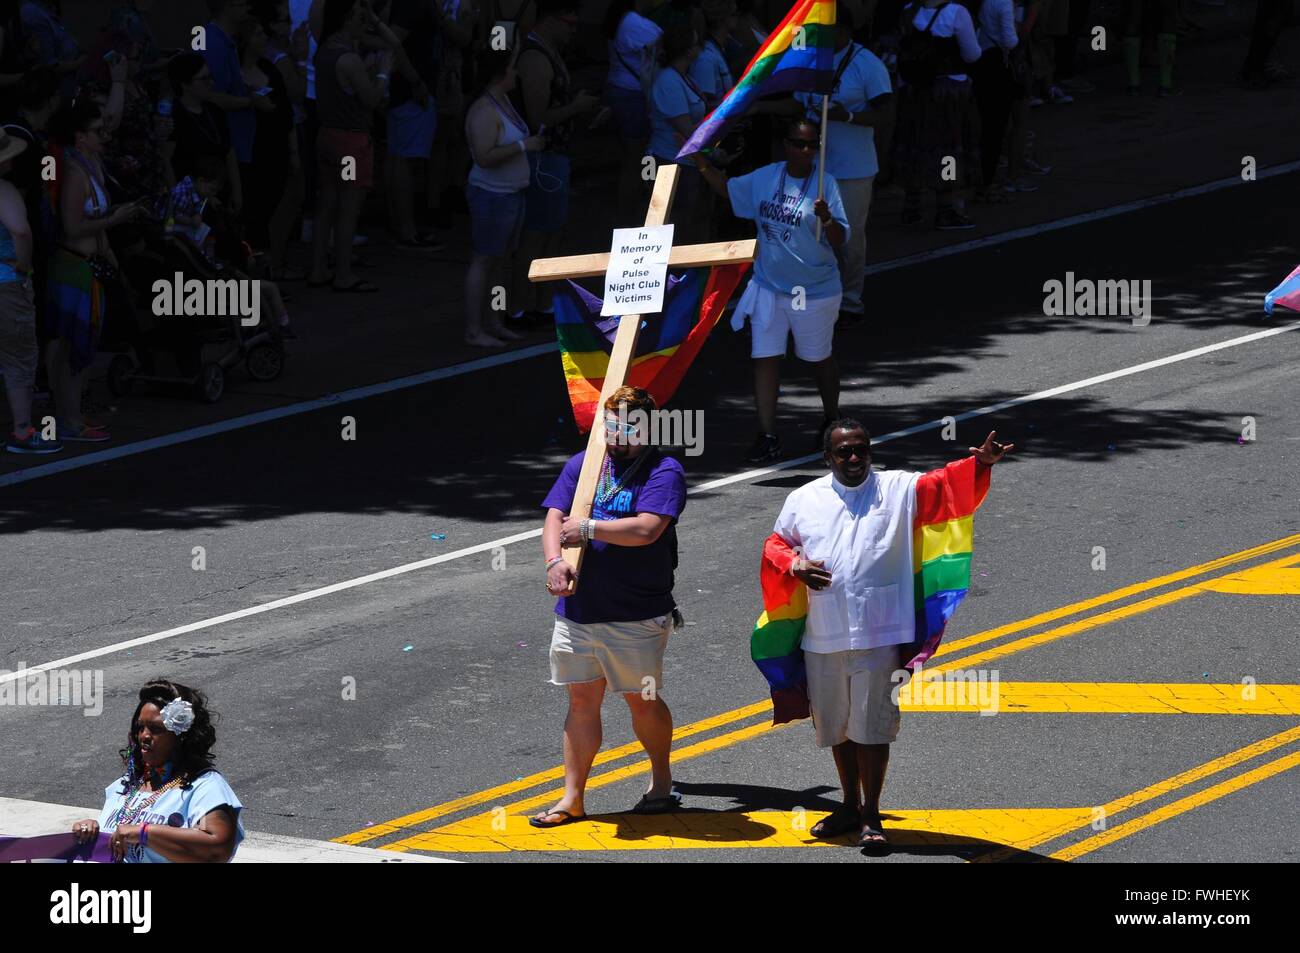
column 171, row 805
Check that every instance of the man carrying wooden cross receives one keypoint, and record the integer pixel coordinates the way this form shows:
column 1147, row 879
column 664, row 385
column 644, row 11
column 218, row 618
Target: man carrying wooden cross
column 613, row 629
column 610, row 526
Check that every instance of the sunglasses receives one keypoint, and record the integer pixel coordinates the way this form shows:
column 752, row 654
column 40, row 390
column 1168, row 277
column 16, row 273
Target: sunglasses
column 807, row 145
column 859, row 450
column 613, row 426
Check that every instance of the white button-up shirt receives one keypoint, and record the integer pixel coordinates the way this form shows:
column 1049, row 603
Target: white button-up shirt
column 863, row 535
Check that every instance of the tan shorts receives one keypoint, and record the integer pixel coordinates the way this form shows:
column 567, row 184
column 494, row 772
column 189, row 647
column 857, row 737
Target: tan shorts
column 852, row 695
column 629, row 656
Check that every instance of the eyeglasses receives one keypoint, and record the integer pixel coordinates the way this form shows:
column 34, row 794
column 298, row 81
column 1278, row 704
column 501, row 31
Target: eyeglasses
column 859, row 450
column 807, row 145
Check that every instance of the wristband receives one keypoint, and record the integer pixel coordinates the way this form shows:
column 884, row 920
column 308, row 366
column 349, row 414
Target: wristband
column 144, row 835
column 523, row 148
column 550, row 563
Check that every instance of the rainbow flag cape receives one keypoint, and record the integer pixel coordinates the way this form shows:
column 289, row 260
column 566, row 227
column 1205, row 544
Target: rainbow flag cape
column 668, row 342
column 946, row 500
column 798, row 56
column 1287, row 294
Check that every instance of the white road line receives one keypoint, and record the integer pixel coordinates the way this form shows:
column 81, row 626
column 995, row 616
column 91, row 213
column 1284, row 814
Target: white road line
column 497, row 360
column 710, row 485
column 1081, row 219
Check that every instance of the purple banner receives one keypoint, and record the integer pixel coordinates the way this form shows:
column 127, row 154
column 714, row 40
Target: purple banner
column 55, row 847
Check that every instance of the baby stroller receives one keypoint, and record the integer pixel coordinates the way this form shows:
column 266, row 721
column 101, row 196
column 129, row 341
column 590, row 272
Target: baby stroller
column 193, row 351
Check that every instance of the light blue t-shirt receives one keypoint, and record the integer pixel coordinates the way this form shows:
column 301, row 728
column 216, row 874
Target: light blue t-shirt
column 709, row 72
column 179, row 807
column 672, row 96
column 851, row 150
column 788, row 253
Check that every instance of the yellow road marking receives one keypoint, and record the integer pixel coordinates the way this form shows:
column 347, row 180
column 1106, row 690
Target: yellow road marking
column 1115, row 595
column 1182, row 779
column 1103, row 697
column 523, row 784
column 481, row 797
column 1260, row 581
column 1181, row 806
column 610, row 777
column 1015, row 830
column 750, row 829
column 1092, row 622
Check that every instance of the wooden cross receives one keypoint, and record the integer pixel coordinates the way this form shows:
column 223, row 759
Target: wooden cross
column 629, row 329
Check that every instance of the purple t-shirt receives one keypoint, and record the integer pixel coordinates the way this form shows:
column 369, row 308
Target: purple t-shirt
column 625, row 583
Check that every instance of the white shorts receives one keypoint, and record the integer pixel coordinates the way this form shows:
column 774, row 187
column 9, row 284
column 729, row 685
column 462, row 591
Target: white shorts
column 773, row 318
column 852, row 695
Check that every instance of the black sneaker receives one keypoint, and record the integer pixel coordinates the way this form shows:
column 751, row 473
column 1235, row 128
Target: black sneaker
column 950, row 219
column 766, row 448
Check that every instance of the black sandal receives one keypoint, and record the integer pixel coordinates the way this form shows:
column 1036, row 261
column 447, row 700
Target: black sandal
column 536, row 821
column 837, row 822
column 659, row 805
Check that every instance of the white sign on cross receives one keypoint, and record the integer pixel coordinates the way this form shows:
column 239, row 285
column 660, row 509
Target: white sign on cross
column 629, row 326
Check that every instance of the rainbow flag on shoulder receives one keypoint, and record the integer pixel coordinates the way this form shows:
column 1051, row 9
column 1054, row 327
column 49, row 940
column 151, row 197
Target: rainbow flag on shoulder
column 798, row 56
column 667, row 344
column 942, row 539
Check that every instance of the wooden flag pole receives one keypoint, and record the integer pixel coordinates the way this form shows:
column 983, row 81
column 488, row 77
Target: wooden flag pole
column 821, row 163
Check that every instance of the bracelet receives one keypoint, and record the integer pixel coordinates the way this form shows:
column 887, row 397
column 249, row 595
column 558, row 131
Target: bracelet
column 523, row 148
column 552, row 561
column 144, row 835
column 381, row 76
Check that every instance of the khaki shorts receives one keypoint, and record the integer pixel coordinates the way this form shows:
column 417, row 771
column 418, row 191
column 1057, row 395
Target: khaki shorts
column 18, row 350
column 852, row 695
column 629, row 656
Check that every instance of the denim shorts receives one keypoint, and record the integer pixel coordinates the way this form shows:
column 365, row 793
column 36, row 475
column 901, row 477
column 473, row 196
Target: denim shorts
column 496, row 218
column 548, row 193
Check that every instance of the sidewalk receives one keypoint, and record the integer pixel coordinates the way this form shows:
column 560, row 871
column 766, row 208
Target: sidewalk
column 20, row 818
column 1106, row 149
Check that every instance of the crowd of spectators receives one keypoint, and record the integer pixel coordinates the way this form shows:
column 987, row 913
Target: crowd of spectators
column 274, row 127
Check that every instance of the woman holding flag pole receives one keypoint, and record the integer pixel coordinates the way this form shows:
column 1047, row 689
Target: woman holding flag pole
column 795, row 289
column 796, row 285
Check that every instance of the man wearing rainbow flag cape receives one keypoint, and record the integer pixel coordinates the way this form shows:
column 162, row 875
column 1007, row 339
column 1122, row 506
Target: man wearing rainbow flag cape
column 859, row 577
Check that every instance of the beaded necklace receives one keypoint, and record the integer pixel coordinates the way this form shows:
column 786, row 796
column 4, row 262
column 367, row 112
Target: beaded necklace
column 780, row 195
column 127, row 815
column 607, row 488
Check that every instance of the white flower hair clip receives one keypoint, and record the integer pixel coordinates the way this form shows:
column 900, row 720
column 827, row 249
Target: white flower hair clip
column 178, row 716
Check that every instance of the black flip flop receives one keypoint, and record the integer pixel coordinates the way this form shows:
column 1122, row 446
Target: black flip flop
column 659, row 805
column 359, row 287
column 837, row 822
column 568, row 819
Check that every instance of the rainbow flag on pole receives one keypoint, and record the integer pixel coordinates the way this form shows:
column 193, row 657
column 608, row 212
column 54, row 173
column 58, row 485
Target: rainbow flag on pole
column 667, row 344
column 942, row 535
column 798, row 56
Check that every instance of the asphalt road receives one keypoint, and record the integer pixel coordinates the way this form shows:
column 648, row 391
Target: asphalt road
column 450, row 659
